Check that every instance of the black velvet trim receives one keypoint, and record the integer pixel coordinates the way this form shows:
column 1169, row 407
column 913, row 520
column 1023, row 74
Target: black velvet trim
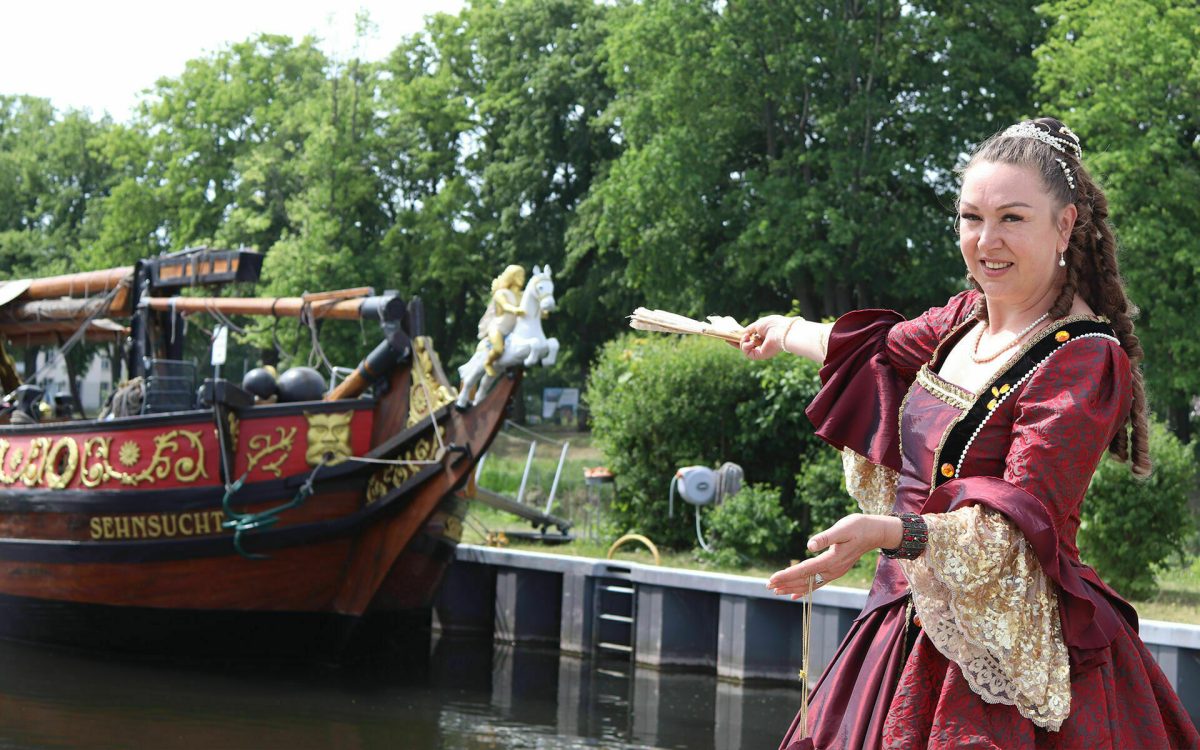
column 955, row 444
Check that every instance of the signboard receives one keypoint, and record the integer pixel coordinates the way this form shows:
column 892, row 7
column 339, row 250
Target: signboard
column 560, row 405
column 220, row 345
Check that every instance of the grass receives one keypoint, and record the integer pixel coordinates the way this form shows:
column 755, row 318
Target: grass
column 1178, row 599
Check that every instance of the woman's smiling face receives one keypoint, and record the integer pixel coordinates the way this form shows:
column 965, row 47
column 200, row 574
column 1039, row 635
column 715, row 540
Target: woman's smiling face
column 1011, row 233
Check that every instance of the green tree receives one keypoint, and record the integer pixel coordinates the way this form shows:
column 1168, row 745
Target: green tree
column 1123, row 74
column 659, row 403
column 224, row 136
column 53, row 170
column 1131, row 527
column 780, row 151
column 434, row 245
column 339, row 214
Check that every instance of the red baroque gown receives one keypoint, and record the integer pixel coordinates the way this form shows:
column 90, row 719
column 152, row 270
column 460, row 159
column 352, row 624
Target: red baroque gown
column 997, row 636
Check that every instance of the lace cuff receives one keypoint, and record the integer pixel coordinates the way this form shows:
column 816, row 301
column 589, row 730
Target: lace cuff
column 985, row 603
column 872, row 486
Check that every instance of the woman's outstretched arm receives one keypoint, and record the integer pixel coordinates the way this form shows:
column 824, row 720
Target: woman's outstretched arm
column 773, row 334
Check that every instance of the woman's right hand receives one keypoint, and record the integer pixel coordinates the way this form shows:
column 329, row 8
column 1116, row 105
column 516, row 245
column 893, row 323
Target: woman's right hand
column 764, row 337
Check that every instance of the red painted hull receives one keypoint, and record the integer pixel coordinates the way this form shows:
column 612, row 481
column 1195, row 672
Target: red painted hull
column 127, row 520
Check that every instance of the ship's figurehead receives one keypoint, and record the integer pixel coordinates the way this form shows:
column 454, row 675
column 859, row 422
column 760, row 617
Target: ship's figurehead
column 510, row 333
column 503, row 313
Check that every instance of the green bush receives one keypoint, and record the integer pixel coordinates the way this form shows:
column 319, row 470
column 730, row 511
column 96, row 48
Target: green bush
column 1131, row 527
column 751, row 524
column 821, row 489
column 661, row 402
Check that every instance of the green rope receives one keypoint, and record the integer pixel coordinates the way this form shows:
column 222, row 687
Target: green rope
column 242, row 523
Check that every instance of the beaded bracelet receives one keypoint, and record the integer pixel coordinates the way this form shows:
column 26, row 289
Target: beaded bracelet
column 912, row 539
column 787, row 331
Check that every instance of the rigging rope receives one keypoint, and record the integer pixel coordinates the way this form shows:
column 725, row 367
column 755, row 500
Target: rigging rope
column 52, row 360
column 316, row 355
column 242, row 523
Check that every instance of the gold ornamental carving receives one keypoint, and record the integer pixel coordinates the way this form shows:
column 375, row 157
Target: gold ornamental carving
column 328, row 438
column 263, row 445
column 425, row 380
column 424, row 453
column 129, row 453
column 54, row 463
column 166, row 461
column 61, row 463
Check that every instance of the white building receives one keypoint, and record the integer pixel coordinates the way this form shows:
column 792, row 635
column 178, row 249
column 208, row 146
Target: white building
column 94, row 385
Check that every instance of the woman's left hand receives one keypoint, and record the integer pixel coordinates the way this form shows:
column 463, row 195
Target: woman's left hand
column 844, row 543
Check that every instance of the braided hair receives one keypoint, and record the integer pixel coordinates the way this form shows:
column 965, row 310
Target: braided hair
column 1091, row 254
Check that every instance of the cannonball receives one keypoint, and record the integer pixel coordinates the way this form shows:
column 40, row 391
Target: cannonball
column 260, row 382
column 301, row 384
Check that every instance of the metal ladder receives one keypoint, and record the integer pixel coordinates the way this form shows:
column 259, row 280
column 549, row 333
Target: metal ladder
column 614, row 605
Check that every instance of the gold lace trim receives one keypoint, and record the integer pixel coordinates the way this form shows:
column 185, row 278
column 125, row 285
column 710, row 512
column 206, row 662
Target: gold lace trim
column 985, row 603
column 872, row 486
column 944, row 390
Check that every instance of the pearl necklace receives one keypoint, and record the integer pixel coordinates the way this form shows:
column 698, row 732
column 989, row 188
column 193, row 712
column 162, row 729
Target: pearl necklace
column 1016, row 340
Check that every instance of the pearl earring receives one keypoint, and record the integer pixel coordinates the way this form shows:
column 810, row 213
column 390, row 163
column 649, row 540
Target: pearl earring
column 1062, row 259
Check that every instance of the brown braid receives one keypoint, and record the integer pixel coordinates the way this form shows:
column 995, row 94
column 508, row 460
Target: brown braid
column 1092, row 271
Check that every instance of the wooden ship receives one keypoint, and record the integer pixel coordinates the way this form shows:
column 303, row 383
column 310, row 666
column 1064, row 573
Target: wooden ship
column 208, row 520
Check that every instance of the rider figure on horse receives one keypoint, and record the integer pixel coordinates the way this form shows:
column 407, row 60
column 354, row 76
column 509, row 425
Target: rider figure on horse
column 506, row 296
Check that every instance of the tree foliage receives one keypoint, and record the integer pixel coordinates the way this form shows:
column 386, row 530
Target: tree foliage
column 1124, row 75
column 661, row 403
column 780, row 151
column 1132, row 527
column 53, row 172
column 749, row 525
column 735, row 157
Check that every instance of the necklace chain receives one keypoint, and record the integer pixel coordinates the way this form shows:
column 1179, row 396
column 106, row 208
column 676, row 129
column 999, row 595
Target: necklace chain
column 1016, row 340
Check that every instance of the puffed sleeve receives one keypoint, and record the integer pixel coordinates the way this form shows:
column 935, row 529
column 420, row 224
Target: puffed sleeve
column 999, row 590
column 872, row 359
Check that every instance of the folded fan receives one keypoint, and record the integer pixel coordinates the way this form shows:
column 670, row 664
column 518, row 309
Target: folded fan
column 717, row 326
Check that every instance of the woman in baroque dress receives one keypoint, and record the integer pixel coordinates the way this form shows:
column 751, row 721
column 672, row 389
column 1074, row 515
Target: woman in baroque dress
column 969, row 436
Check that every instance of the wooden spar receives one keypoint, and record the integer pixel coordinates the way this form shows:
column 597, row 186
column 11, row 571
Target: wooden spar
column 53, row 333
column 88, row 283
column 69, row 310
column 283, row 307
column 360, row 291
column 280, row 307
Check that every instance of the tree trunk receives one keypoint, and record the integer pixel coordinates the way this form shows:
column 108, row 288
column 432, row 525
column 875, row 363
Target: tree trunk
column 808, row 300
column 518, row 404
column 842, row 298
column 31, row 353
column 73, row 387
column 1180, row 421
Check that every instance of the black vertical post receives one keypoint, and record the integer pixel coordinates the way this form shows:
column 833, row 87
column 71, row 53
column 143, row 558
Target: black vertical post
column 139, row 323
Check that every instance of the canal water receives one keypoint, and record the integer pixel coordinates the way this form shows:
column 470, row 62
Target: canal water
column 449, row 693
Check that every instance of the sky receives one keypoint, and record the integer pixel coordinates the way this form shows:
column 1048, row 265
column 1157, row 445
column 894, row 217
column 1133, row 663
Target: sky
column 100, row 55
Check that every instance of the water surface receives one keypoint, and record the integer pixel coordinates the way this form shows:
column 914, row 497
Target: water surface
column 450, row 694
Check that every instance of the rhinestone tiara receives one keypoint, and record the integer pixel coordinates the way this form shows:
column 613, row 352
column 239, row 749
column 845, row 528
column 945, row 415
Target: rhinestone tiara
column 1030, row 129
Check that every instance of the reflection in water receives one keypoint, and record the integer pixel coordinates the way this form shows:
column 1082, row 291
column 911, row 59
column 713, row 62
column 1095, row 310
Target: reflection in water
column 455, row 695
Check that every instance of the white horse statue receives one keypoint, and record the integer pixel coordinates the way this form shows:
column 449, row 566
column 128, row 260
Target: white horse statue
column 527, row 345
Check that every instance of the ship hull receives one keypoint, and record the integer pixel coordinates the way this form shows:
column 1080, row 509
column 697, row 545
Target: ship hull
column 124, row 536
